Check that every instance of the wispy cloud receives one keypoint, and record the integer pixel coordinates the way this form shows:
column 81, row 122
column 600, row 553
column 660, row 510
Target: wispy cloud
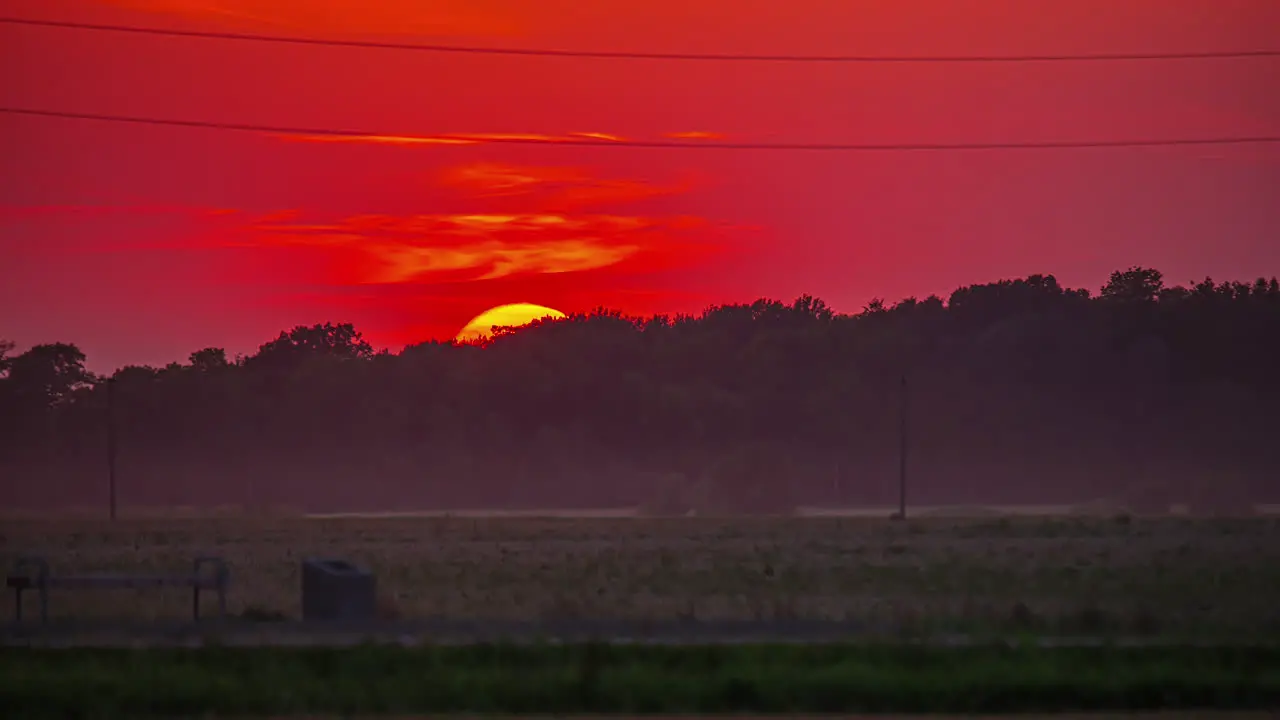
column 694, row 135
column 448, row 139
column 522, row 221
column 400, row 249
column 568, row 232
column 561, row 188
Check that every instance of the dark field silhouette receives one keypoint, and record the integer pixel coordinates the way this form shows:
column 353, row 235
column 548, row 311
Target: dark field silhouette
column 1018, row 392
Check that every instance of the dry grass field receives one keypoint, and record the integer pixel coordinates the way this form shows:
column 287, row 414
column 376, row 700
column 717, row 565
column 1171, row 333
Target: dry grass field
column 1081, row 575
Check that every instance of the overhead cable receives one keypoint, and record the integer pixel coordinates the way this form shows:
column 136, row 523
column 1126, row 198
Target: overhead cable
column 654, row 144
column 632, row 55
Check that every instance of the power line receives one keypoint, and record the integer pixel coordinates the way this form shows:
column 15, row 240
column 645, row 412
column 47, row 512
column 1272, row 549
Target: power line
column 624, row 55
column 656, row 144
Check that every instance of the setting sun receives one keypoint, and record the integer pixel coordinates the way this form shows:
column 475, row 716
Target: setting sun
column 514, row 315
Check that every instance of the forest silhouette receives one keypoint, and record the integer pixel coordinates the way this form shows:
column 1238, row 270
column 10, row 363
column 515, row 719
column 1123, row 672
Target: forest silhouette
column 1019, row 391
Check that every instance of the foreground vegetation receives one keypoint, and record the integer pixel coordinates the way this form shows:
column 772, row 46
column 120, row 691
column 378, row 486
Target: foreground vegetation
column 632, row 679
column 1096, row 576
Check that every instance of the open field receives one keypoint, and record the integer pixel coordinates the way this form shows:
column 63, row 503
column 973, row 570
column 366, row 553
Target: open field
column 590, row 678
column 1065, row 575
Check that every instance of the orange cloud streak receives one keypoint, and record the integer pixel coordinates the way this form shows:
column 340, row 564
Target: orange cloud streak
column 502, row 260
column 482, row 138
column 404, row 249
column 694, row 135
column 559, row 237
column 560, row 189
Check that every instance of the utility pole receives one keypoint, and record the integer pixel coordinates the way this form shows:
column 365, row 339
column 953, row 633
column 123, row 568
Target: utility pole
column 902, row 450
column 111, row 443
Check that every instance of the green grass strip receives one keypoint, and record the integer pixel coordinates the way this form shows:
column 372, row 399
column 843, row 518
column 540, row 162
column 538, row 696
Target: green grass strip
column 80, row 683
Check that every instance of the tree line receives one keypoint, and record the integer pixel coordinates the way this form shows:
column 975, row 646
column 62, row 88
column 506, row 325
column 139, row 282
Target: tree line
column 1016, row 391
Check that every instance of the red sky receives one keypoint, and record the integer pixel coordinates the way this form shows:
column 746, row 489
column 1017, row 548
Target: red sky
column 142, row 244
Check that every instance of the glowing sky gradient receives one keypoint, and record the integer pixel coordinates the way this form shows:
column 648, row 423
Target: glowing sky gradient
column 142, row 244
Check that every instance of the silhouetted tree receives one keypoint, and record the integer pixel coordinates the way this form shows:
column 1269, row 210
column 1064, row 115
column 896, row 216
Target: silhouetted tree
column 1021, row 390
column 209, row 360
column 6, row 347
column 48, row 374
column 1137, row 284
column 329, row 341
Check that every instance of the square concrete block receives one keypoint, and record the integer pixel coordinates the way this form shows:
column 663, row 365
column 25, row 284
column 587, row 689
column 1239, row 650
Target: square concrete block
column 337, row 590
